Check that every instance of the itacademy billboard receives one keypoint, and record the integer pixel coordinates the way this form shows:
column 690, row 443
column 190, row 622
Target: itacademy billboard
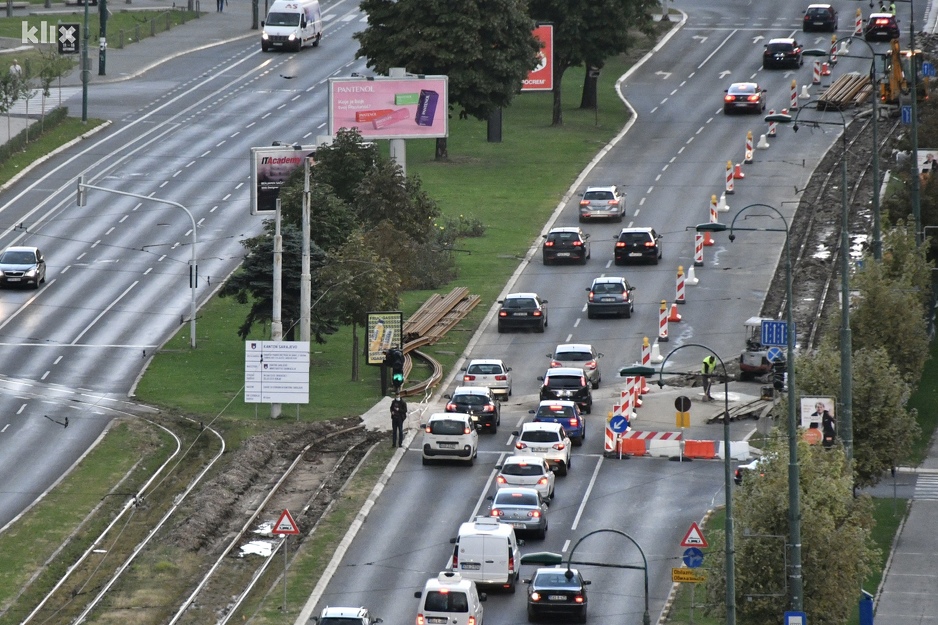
column 390, row 108
column 541, row 78
column 270, row 168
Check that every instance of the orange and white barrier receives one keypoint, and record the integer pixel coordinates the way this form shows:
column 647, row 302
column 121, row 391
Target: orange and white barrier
column 833, row 54
column 691, row 276
column 631, row 447
column 675, row 316
column 704, row 450
column 729, row 178
column 714, row 215
column 609, row 445
column 646, row 362
column 825, row 69
column 773, row 126
column 679, row 299
column 858, row 23
column 748, row 156
column 714, row 205
column 738, row 172
column 794, row 95
column 663, row 322
column 698, row 250
column 816, row 75
column 631, row 396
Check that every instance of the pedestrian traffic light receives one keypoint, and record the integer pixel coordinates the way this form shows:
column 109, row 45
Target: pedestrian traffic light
column 395, row 358
column 779, row 367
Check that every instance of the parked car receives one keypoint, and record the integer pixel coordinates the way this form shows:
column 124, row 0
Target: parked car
column 22, row 266
column 526, row 471
column 569, row 383
column 744, row 97
column 578, row 355
column 637, row 244
column 565, row 244
column 567, row 414
column 522, row 508
column 547, row 440
column 881, row 26
column 822, row 17
column 522, row 310
column 479, row 403
column 602, row 203
column 610, row 296
column 782, row 53
column 489, row 372
column 557, row 591
column 450, row 436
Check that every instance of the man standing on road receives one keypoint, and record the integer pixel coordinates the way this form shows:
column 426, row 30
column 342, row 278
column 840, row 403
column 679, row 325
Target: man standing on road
column 706, row 370
column 398, row 416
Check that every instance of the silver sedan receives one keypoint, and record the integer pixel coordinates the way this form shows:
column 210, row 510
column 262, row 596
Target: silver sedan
column 523, row 508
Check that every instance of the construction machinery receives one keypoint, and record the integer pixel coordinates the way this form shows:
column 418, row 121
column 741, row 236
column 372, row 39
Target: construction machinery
column 754, row 360
column 896, row 68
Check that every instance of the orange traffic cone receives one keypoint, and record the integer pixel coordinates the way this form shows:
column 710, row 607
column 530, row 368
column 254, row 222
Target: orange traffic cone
column 675, row 316
column 707, row 239
column 738, row 172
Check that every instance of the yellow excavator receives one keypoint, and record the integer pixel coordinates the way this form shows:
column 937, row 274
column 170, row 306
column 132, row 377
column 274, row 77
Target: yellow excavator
column 896, row 67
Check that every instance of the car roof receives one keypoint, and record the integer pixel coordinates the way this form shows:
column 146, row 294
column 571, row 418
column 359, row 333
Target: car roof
column 21, row 248
column 878, row 15
column 486, row 361
column 452, row 416
column 339, row 612
column 819, row 6
column 516, row 490
column 553, row 569
column 550, row 427
column 472, row 390
column 782, row 40
column 606, row 188
column 557, row 402
column 565, row 371
column 565, row 229
column 449, row 579
column 637, row 229
column 522, row 296
column 526, row 459
column 571, row 347
column 608, row 280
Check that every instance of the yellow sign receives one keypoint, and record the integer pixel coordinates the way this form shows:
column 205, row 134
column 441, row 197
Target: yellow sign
column 689, row 576
column 682, row 419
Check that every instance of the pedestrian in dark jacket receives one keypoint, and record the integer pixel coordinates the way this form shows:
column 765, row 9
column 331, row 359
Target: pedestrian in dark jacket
column 398, row 416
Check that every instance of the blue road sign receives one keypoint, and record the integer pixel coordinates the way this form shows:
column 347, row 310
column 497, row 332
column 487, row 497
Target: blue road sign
column 796, row 618
column 774, row 354
column 618, row 423
column 906, row 114
column 693, row 557
column 928, row 69
column 774, row 332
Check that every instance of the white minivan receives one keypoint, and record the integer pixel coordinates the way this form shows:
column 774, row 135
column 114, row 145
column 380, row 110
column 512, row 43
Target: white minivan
column 292, row 24
column 487, row 552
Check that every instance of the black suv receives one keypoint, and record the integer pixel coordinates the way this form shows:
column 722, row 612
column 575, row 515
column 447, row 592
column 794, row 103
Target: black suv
column 566, row 244
column 638, row 244
column 479, row 403
column 822, row 17
column 522, row 310
column 570, row 384
column 782, row 53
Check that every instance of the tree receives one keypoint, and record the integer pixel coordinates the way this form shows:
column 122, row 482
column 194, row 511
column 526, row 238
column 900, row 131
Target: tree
column 486, row 47
column 53, row 66
column 588, row 31
column 837, row 549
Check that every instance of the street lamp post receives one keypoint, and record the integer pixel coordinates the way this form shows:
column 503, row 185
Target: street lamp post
column 730, row 550
column 846, row 336
column 794, row 478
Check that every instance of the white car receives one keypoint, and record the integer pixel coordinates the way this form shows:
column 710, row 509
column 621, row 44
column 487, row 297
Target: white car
column 527, row 471
column 580, row 355
column 548, row 441
column 346, row 616
column 489, row 372
column 449, row 599
column 450, row 436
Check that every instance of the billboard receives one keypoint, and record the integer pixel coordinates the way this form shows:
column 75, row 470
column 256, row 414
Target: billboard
column 390, row 108
column 384, row 333
column 270, row 168
column 541, row 78
column 818, row 419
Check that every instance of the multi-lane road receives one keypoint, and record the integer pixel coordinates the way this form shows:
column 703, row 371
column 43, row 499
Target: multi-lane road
column 118, row 282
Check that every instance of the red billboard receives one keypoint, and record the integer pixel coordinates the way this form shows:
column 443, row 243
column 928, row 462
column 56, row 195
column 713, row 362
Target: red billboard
column 541, row 78
column 381, row 107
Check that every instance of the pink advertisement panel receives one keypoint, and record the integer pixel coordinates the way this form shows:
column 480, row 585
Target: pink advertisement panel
column 541, row 78
column 390, row 108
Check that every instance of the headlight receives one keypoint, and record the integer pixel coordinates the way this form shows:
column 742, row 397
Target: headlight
column 292, row 36
column 265, row 36
column 31, row 273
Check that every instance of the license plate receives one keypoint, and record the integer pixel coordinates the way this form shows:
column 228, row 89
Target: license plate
column 635, row 253
column 13, row 279
column 518, row 526
column 563, row 254
column 447, row 445
column 436, row 620
column 556, row 598
column 607, row 299
column 520, row 314
column 470, row 566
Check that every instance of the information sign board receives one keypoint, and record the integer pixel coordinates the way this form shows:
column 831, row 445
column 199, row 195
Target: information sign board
column 276, row 372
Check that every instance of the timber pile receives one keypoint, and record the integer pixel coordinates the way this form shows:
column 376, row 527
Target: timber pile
column 848, row 90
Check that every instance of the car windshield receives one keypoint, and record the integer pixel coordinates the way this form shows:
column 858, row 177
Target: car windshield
column 447, row 427
column 555, row 411
column 539, row 436
column 599, row 195
column 470, row 400
column 283, row 19
column 519, row 302
column 773, row 48
column 556, row 580
column 484, row 369
column 442, row 601
column 564, row 381
column 573, row 356
column 608, row 287
column 562, row 237
column 18, row 257
column 745, row 88
column 507, row 498
column 818, row 12
column 525, row 469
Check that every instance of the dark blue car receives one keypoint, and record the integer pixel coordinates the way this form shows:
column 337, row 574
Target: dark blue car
column 567, row 414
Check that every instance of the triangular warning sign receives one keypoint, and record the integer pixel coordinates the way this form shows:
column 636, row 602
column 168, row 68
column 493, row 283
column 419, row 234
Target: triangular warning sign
column 694, row 537
column 285, row 524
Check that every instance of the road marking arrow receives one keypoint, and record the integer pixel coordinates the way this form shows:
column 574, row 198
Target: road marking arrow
column 701, row 37
column 664, row 75
column 757, row 38
column 725, row 73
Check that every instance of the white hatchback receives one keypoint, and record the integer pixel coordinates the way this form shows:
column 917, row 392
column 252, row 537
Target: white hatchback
column 547, row 440
column 489, row 372
column 527, row 471
column 450, row 435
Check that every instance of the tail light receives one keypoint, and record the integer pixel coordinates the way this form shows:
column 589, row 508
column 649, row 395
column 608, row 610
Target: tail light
column 584, row 202
column 729, row 98
column 577, row 243
column 649, row 243
column 754, row 97
column 450, row 407
column 578, row 599
column 467, row 431
column 471, row 621
column 574, row 422
column 620, row 243
column 542, row 482
column 535, row 596
column 456, row 559
column 548, row 244
column 518, row 445
column 488, row 408
column 554, row 363
column 613, row 202
column 501, row 480
column 590, row 365
column 536, row 313
column 502, row 313
column 497, row 512
column 501, row 378
column 420, row 620
column 559, row 446
column 534, row 514
column 468, row 378
column 428, row 429
column 511, row 562
column 591, row 296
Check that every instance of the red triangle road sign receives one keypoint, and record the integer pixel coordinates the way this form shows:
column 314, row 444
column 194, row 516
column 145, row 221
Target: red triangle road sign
column 285, row 524
column 694, row 537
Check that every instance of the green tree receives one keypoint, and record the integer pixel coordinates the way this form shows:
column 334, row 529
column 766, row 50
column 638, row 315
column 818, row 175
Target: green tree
column 485, row 47
column 837, row 550
column 51, row 68
column 589, row 32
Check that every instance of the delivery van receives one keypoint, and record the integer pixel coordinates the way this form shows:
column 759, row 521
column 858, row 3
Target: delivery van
column 487, row 552
column 292, row 24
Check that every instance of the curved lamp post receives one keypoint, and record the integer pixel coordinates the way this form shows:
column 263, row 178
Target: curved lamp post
column 727, row 469
column 846, row 337
column 794, row 479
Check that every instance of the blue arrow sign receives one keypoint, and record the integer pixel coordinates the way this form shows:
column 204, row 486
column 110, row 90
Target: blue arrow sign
column 618, row 424
column 774, row 332
column 906, row 114
column 928, row 69
column 693, row 557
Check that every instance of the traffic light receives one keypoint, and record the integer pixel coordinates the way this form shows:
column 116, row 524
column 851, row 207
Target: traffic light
column 779, row 367
column 395, row 358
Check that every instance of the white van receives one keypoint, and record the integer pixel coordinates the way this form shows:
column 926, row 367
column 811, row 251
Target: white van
column 292, row 24
column 448, row 599
column 487, row 552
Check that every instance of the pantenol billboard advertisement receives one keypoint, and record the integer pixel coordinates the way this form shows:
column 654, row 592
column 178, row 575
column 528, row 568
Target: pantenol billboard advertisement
column 390, row 108
column 270, row 168
column 541, row 78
